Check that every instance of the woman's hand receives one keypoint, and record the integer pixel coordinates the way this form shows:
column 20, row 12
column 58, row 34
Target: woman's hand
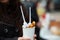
column 23, row 38
column 26, row 38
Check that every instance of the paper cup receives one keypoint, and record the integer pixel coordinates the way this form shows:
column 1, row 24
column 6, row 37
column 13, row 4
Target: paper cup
column 29, row 32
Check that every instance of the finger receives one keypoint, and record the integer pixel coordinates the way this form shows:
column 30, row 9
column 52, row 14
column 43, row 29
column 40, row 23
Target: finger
column 35, row 35
column 23, row 38
column 34, row 39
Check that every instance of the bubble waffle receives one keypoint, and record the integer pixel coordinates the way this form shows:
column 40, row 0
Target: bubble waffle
column 32, row 25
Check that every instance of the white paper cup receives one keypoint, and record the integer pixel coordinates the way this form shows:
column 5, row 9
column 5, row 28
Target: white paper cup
column 29, row 32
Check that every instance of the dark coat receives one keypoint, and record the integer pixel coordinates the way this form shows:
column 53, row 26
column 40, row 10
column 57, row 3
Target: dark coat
column 11, row 21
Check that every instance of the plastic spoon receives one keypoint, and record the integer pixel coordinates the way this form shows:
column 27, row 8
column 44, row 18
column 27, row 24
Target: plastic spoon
column 25, row 23
column 29, row 16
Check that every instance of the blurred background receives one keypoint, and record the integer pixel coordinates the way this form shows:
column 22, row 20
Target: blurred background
column 51, row 6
